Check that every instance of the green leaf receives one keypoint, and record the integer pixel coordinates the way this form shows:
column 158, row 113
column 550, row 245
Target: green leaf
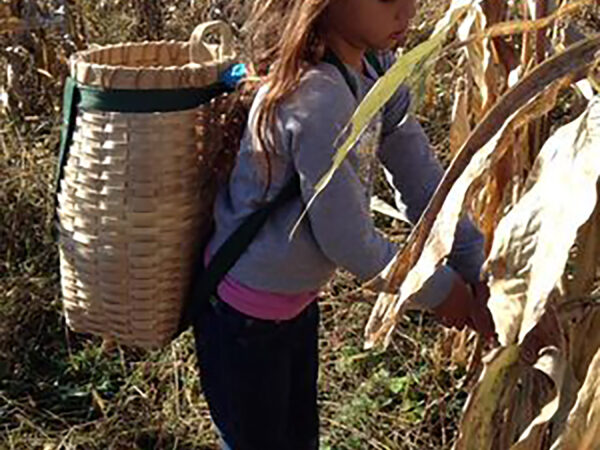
column 399, row 384
column 407, row 67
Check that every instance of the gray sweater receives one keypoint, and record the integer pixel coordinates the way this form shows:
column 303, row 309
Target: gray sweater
column 338, row 231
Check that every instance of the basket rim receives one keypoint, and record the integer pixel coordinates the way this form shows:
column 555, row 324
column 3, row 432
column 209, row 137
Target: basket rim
column 121, row 76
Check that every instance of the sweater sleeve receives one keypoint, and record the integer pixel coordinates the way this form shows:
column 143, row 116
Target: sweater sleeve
column 412, row 168
column 340, row 217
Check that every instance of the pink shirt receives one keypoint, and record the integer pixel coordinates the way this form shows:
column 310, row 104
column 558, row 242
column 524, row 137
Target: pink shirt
column 261, row 304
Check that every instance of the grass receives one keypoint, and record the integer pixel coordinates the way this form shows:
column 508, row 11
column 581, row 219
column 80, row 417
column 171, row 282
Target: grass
column 61, row 390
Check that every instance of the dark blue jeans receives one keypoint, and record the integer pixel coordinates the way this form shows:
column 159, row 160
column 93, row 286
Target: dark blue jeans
column 260, row 377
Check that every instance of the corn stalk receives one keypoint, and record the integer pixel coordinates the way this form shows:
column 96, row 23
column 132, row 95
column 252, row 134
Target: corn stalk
column 536, row 391
column 34, row 52
column 535, row 198
column 425, row 258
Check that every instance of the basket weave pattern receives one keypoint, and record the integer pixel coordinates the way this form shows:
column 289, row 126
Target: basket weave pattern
column 129, row 211
column 134, row 199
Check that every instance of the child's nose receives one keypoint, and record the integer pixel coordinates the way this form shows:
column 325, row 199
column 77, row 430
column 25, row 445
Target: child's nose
column 405, row 13
column 409, row 9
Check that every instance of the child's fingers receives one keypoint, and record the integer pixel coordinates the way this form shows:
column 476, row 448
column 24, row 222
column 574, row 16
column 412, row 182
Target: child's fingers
column 482, row 321
column 454, row 322
column 481, row 291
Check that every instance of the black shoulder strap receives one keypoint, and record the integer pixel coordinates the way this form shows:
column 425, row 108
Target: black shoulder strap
column 331, row 58
column 227, row 255
column 205, row 281
column 375, row 63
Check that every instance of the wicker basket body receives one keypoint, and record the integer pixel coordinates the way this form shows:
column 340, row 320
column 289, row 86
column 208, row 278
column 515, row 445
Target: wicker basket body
column 131, row 206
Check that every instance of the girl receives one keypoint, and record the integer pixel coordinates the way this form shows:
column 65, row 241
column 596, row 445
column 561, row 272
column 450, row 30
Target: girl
column 257, row 340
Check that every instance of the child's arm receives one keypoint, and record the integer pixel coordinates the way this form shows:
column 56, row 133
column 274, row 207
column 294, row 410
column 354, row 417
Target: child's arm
column 414, row 171
column 340, row 218
column 412, row 168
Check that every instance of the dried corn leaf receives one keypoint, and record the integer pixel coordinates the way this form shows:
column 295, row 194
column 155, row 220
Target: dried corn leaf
column 529, row 254
column 499, row 192
column 478, row 425
column 584, row 339
column 582, row 430
column 579, row 283
column 533, row 240
column 552, row 363
column 441, row 238
column 389, row 305
column 581, row 313
column 382, row 207
column 488, row 76
column 460, row 127
column 546, row 394
column 521, row 26
column 10, row 24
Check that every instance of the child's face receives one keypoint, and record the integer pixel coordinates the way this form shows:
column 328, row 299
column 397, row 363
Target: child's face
column 377, row 24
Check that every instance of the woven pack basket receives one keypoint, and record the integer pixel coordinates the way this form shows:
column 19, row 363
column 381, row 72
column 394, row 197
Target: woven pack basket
column 133, row 198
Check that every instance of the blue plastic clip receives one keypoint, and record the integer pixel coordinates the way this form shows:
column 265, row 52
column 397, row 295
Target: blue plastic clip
column 232, row 76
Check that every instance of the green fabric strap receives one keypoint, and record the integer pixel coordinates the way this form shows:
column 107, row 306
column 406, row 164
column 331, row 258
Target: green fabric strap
column 77, row 97
column 147, row 100
column 70, row 99
column 206, row 280
column 331, row 58
column 374, row 61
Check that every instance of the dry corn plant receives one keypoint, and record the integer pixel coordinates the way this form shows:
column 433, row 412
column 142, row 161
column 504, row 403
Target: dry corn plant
column 38, row 36
column 534, row 196
column 34, row 38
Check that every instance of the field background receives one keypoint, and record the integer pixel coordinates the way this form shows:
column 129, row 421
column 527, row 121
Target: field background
column 61, row 390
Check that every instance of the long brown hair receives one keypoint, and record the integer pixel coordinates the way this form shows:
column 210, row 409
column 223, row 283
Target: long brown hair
column 284, row 39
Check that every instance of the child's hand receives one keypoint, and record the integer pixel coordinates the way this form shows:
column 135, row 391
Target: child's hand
column 465, row 306
column 481, row 294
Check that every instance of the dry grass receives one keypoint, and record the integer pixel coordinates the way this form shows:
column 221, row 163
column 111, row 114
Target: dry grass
column 58, row 390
